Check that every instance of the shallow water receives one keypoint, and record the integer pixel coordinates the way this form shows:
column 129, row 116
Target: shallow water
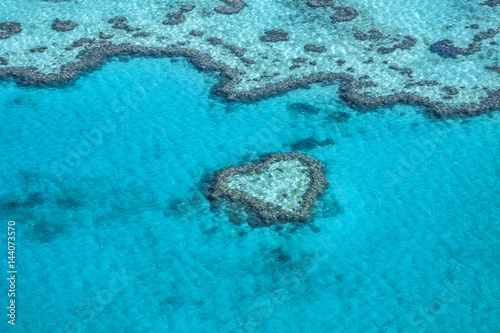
column 104, row 179
column 427, row 21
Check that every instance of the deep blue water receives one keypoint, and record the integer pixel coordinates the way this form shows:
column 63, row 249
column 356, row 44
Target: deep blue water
column 104, row 180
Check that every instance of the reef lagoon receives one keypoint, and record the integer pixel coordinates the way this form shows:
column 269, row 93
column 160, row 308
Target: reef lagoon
column 116, row 116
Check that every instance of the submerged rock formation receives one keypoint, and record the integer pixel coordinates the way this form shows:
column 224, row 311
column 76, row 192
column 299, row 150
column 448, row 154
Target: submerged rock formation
column 232, row 7
column 62, row 26
column 279, row 187
column 319, row 3
column 491, row 3
column 344, row 14
column 315, row 48
column 8, row 29
column 175, row 18
column 275, row 35
column 447, row 49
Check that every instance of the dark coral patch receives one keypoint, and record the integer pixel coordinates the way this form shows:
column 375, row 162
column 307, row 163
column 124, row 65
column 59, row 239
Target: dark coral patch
column 444, row 48
column 423, row 83
column 40, row 49
column 315, row 48
column 62, row 26
column 248, row 60
column 141, row 34
column 237, row 51
column 119, row 23
column 344, row 14
column 372, row 35
column 9, row 29
column 187, row 8
column 275, row 35
column 102, row 35
column 320, row 3
column 117, row 19
column 215, row 41
column 490, row 33
column 406, row 43
column 403, row 71
column 447, row 49
column 175, row 18
column 450, row 90
column 494, row 68
column 196, row 33
column 80, row 42
column 491, row 3
column 233, row 7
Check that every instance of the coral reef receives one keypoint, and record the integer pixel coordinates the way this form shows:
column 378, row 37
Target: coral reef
column 263, row 61
column 233, row 7
column 62, row 26
column 344, row 14
column 8, row 29
column 275, row 35
column 279, row 187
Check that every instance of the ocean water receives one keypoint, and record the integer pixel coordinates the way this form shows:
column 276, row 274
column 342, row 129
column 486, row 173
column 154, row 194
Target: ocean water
column 105, row 180
column 428, row 21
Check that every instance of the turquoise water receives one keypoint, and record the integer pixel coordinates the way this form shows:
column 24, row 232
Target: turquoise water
column 104, row 179
column 427, row 21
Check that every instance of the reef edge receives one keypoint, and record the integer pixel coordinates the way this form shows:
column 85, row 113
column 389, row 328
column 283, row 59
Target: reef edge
column 266, row 211
column 92, row 58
